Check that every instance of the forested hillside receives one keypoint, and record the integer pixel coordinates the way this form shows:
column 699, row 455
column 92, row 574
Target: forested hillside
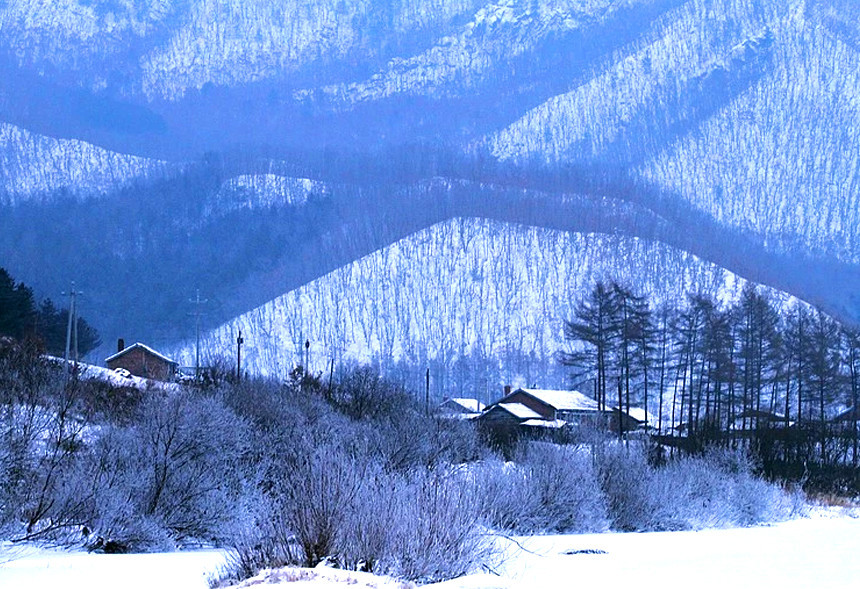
column 481, row 302
column 247, row 149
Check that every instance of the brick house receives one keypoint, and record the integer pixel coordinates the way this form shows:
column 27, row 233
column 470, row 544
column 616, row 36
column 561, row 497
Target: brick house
column 570, row 407
column 543, row 410
column 143, row 361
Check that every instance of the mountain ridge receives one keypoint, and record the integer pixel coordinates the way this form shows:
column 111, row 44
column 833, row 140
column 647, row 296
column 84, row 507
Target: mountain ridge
column 250, row 154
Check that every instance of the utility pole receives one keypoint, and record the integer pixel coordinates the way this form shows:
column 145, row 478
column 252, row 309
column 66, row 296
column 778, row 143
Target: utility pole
column 72, row 325
column 427, row 392
column 197, row 313
column 239, row 342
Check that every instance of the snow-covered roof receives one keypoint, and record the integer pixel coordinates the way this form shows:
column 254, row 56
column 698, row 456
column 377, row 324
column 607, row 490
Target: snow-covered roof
column 144, row 347
column 638, row 414
column 846, row 414
column 470, row 405
column 520, row 411
column 552, row 424
column 563, row 400
column 90, row 372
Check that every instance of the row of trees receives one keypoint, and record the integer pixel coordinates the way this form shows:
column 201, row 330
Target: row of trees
column 711, row 370
column 21, row 317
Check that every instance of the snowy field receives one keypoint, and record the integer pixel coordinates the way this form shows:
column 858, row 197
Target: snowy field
column 820, row 551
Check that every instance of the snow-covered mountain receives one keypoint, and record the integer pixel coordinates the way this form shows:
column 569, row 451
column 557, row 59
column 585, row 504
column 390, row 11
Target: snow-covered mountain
column 167, row 47
column 498, row 32
column 465, row 288
column 33, row 165
column 253, row 146
column 751, row 116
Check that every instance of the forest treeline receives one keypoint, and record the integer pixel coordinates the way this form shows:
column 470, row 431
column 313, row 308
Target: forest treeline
column 783, row 378
column 22, row 317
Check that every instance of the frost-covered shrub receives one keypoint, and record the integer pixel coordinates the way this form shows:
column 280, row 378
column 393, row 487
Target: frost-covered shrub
column 505, row 495
column 717, row 489
column 625, row 477
column 437, row 537
column 362, row 393
column 191, row 459
column 374, row 518
column 335, row 506
column 263, row 542
column 720, row 489
column 178, row 473
column 549, row 488
column 315, row 498
column 690, row 493
column 569, row 495
column 412, row 440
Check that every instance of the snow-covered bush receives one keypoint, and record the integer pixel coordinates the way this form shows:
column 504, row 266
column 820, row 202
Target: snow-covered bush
column 347, row 508
column 177, row 473
column 717, row 489
column 437, row 536
column 625, row 477
column 315, row 499
column 549, row 488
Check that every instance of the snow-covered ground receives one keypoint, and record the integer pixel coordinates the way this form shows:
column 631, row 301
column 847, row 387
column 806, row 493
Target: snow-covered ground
column 31, row 568
column 820, row 551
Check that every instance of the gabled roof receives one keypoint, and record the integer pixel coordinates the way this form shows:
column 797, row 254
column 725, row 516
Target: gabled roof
column 638, row 414
column 519, row 411
column 470, row 405
column 849, row 414
column 563, row 400
column 143, row 347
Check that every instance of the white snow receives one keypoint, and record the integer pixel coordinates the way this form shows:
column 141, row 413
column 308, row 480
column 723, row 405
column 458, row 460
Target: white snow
column 33, row 568
column 520, row 411
column 33, row 164
column 639, row 414
column 551, row 424
column 259, row 191
column 564, row 400
column 117, row 379
column 323, row 578
column 820, row 551
column 473, row 405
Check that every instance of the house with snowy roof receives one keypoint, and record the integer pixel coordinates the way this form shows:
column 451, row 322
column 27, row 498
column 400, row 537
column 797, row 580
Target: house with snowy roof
column 545, row 409
column 631, row 419
column 464, row 408
column 141, row 360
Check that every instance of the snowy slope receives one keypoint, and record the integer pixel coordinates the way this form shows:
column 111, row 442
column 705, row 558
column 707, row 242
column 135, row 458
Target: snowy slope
column 498, row 32
column 776, row 155
column 462, row 287
column 32, row 164
column 259, row 191
column 171, row 46
column 245, row 41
